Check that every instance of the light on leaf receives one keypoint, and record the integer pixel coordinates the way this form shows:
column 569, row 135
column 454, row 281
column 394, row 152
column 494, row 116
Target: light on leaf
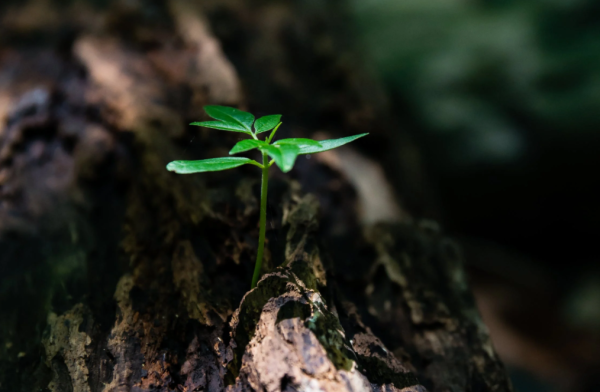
column 206, row 165
column 267, row 123
column 283, row 155
column 222, row 125
column 329, row 144
column 299, row 142
column 231, row 116
column 246, row 145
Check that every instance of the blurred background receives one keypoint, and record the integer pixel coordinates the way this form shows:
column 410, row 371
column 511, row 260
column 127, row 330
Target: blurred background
column 502, row 100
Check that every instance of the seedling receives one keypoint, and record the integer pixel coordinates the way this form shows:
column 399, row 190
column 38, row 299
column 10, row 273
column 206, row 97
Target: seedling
column 282, row 152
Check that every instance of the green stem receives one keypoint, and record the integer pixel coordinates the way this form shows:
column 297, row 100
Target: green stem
column 253, row 162
column 263, row 220
column 273, row 133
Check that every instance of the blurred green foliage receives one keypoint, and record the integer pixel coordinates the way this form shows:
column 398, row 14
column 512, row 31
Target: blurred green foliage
column 486, row 70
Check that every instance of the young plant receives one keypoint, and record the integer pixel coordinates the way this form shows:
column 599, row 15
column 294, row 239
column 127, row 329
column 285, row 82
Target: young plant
column 282, row 152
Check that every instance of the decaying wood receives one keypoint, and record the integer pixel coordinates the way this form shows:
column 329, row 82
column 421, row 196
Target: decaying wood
column 121, row 276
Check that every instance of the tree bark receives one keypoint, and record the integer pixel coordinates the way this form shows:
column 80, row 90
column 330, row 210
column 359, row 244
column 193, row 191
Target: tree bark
column 120, row 276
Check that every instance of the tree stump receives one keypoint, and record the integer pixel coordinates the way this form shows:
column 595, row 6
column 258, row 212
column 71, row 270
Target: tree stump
column 117, row 275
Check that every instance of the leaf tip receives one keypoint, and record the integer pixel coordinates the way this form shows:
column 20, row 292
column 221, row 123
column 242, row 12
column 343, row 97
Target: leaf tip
column 172, row 166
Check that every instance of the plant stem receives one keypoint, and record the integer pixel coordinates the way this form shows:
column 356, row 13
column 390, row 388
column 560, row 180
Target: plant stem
column 263, row 220
column 273, row 133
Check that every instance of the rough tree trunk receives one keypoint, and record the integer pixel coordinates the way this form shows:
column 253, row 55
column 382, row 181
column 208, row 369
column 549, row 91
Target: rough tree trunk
column 117, row 275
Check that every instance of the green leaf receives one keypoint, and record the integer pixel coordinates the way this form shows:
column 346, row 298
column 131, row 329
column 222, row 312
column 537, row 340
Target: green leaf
column 246, row 145
column 284, row 155
column 329, row 144
column 206, row 165
column 299, row 142
column 222, row 125
column 231, row 115
column 267, row 123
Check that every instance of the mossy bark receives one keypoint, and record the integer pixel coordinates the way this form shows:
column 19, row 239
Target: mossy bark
column 120, row 276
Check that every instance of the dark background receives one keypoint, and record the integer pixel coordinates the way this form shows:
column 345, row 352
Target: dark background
column 502, row 99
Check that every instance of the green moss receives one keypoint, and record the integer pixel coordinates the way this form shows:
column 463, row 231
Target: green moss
column 329, row 332
column 293, row 309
